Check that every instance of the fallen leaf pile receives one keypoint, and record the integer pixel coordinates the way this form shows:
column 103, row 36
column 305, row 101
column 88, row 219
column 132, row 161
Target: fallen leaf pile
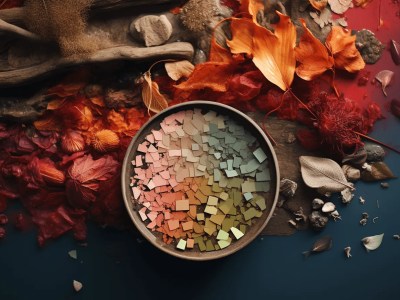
column 65, row 168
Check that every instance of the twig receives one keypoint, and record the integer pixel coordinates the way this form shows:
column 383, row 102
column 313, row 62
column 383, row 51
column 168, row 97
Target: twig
column 2, row 3
column 4, row 26
column 377, row 142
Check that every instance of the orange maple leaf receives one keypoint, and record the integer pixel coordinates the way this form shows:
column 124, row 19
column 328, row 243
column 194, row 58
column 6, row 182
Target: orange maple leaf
column 252, row 7
column 313, row 57
column 319, row 4
column 273, row 54
column 341, row 44
column 219, row 53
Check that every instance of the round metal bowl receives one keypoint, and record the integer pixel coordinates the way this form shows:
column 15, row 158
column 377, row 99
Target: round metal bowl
column 271, row 197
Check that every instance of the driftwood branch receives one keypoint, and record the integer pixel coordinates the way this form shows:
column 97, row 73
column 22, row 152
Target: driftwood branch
column 16, row 15
column 176, row 50
column 7, row 27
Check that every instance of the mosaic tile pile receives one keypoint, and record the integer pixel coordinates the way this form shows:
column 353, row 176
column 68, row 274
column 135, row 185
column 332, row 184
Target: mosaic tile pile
column 200, row 179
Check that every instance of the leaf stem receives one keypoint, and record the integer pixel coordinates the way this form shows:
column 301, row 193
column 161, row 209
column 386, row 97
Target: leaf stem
column 301, row 102
column 377, row 142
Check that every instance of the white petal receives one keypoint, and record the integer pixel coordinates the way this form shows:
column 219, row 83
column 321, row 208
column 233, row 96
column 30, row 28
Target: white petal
column 372, row 242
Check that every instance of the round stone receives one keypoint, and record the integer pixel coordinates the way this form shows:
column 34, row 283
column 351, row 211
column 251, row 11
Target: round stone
column 317, row 204
column 374, row 152
column 152, row 30
column 318, row 220
column 328, row 207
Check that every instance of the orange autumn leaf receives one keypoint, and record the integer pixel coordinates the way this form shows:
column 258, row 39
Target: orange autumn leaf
column 47, row 123
column 252, row 7
column 212, row 75
column 116, row 121
column 319, row 4
column 312, row 55
column 361, row 3
column 219, row 53
column 273, row 54
column 341, row 44
column 151, row 95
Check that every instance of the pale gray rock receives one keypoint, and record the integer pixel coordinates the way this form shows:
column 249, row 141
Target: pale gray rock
column 152, row 30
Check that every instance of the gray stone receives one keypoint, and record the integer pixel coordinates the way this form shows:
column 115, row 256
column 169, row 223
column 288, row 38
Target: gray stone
column 288, row 188
column 374, row 152
column 318, row 220
column 152, row 30
column 317, row 204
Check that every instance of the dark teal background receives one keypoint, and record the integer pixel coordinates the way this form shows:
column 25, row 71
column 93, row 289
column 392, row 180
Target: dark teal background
column 120, row 265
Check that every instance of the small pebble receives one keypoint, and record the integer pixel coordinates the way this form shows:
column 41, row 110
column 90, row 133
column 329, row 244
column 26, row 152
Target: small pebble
column 365, row 215
column 328, row 207
column 396, row 237
column 374, row 152
column 363, row 222
column 318, row 220
column 335, row 215
column 317, row 204
column 347, row 195
column 362, row 200
column 347, row 252
column 384, row 185
column 77, row 285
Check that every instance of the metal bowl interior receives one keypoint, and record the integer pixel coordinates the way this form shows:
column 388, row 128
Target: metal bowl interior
column 271, row 197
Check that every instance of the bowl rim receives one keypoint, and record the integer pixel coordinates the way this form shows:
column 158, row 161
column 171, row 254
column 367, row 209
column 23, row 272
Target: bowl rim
column 127, row 197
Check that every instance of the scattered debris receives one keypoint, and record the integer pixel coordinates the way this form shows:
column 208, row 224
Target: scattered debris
column 300, row 215
column 370, row 47
column 77, row 285
column 372, row 242
column 351, row 173
column 377, row 203
column 340, row 6
column 384, row 185
column 335, row 215
column 293, row 223
column 317, row 204
column 396, row 237
column 367, row 167
column 364, row 219
column 347, row 251
column 318, row 220
column 322, row 18
column 328, row 207
column 362, row 200
column 288, row 188
column 73, row 254
column 384, row 77
column 395, row 51
column 347, row 195
column 374, row 219
column 323, row 244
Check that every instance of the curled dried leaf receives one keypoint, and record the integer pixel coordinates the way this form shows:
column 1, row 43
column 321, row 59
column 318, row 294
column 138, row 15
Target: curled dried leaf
column 323, row 174
column 319, row 4
column 342, row 46
column 384, row 77
column 151, row 95
column 322, row 18
column 379, row 171
column 219, row 53
column 372, row 242
column 178, row 69
column 252, row 7
column 312, row 55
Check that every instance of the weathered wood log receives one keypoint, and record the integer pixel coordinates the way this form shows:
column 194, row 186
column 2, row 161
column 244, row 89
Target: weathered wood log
column 16, row 15
column 180, row 50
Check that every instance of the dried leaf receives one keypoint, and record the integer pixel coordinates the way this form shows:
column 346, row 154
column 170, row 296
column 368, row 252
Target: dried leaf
column 252, row 7
column 342, row 46
column 395, row 51
column 323, row 174
column 384, row 77
column 273, row 54
column 312, row 55
column 212, row 75
column 379, row 171
column 340, row 6
column 151, row 95
column 178, row 69
column 319, row 4
column 47, row 123
column 84, row 177
column 219, row 53
column 323, row 18
column 361, row 3
column 372, row 242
